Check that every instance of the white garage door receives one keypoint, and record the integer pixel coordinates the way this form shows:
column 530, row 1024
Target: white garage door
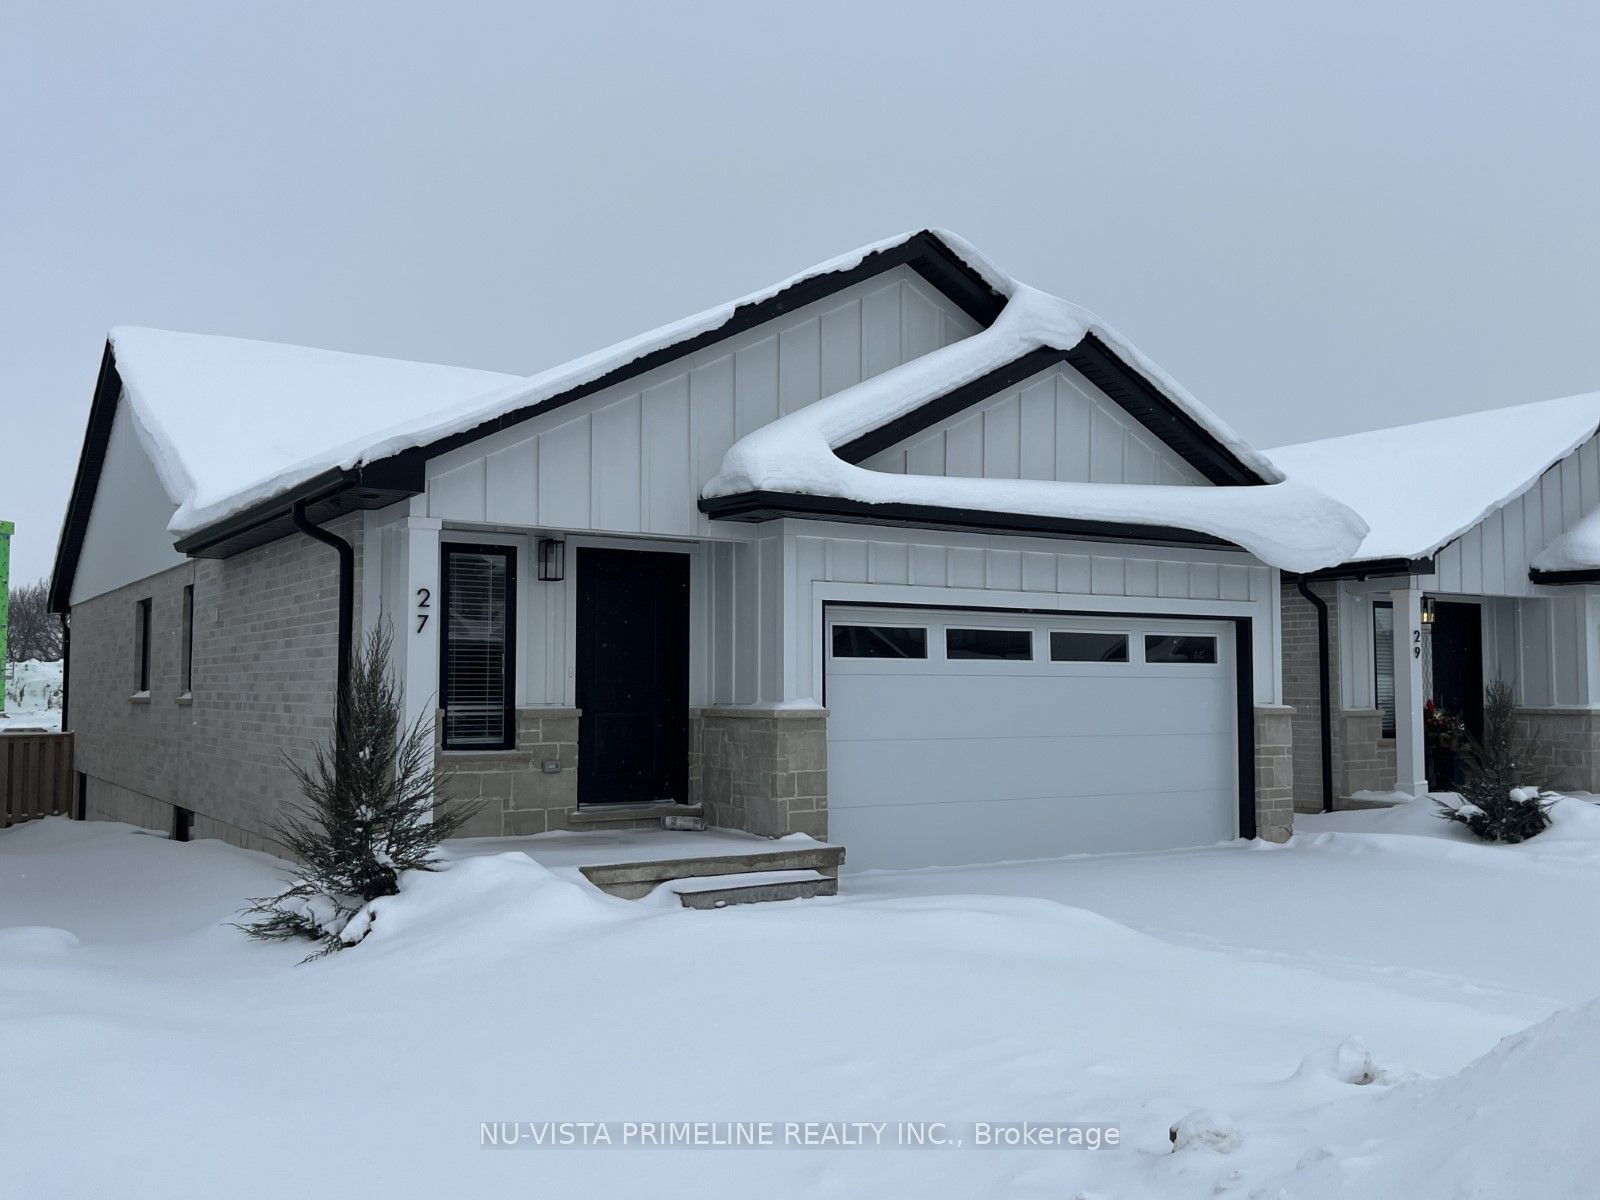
column 971, row 736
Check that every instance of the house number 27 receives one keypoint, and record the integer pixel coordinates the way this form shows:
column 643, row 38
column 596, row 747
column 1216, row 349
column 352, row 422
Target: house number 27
column 424, row 599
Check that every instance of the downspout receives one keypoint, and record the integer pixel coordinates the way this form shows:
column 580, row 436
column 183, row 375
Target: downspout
column 347, row 604
column 66, row 671
column 1324, row 672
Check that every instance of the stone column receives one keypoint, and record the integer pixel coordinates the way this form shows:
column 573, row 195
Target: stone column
column 1410, row 755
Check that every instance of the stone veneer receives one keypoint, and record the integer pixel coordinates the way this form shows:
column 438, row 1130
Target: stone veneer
column 1274, row 773
column 1566, row 747
column 518, row 795
column 764, row 770
column 1368, row 760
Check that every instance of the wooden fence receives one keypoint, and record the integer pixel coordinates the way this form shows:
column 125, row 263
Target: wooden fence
column 35, row 776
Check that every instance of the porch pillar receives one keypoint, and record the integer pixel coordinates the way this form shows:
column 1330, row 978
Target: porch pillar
column 1410, row 756
column 417, row 639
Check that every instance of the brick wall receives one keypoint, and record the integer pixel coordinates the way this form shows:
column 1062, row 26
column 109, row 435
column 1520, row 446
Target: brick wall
column 1302, row 688
column 265, row 664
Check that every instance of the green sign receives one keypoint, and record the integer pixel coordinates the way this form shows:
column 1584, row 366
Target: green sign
column 6, row 530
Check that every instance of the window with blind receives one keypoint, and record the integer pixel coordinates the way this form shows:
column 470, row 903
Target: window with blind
column 1383, row 663
column 477, row 653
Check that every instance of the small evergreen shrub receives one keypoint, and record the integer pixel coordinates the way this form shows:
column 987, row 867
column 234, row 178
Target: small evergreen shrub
column 364, row 820
column 1495, row 805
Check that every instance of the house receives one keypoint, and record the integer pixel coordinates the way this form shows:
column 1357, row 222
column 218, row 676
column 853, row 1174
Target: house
column 898, row 552
column 1481, row 563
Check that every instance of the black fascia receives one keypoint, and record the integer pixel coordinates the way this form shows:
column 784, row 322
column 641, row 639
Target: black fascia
column 770, row 506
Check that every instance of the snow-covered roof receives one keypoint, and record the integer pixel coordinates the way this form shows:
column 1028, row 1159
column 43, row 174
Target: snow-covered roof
column 301, row 413
column 1283, row 523
column 228, row 421
column 1419, row 487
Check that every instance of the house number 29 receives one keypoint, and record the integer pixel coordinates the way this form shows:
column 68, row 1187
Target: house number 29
column 424, row 599
column 1416, row 643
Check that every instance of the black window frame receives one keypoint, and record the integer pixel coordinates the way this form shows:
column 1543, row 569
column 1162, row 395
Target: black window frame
column 186, row 678
column 966, row 655
column 835, row 628
column 141, row 646
column 508, row 740
column 1151, row 635
column 1390, row 714
column 1124, row 638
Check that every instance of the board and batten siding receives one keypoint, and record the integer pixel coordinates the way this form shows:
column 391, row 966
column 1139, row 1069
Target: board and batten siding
column 1538, row 644
column 1492, row 557
column 768, row 594
column 634, row 457
column 1537, row 638
column 1054, row 425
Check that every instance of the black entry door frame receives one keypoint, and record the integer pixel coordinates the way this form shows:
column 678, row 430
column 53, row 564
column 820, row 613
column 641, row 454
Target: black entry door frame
column 631, row 616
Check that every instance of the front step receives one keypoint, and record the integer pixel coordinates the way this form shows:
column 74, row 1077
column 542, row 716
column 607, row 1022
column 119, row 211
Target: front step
column 634, row 880
column 751, row 887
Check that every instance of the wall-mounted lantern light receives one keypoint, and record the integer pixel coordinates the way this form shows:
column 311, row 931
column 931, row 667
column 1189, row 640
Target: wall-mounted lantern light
column 551, row 560
column 1427, row 610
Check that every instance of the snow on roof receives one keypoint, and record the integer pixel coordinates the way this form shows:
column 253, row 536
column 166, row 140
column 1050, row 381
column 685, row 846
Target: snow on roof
column 301, row 412
column 228, row 421
column 1578, row 549
column 1284, row 523
column 1421, row 486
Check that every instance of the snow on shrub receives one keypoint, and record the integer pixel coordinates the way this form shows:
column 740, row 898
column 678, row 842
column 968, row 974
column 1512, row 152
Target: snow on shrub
column 369, row 794
column 1493, row 802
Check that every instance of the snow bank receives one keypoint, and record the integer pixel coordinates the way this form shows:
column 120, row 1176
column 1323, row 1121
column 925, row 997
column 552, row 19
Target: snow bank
column 1487, row 460
column 1517, row 1122
column 497, row 991
column 1285, row 524
column 1574, row 826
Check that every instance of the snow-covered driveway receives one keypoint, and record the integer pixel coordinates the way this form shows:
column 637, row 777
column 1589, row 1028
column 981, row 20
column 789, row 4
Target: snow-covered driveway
column 149, row 1049
column 1434, row 914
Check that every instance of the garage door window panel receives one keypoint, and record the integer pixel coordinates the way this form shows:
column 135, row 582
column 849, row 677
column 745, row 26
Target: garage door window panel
column 988, row 645
column 880, row 641
column 1082, row 646
column 1179, row 648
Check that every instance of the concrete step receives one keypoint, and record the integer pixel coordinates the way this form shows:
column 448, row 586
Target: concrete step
column 633, row 880
column 751, row 887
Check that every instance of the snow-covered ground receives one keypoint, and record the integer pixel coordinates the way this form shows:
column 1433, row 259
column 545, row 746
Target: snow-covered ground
column 33, row 695
column 1241, row 990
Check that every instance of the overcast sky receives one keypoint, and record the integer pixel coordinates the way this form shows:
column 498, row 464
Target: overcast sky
column 1320, row 218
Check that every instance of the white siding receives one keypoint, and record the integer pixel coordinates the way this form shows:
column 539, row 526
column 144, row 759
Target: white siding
column 126, row 538
column 1054, row 425
column 1492, row 557
column 633, row 458
column 1537, row 644
column 865, row 565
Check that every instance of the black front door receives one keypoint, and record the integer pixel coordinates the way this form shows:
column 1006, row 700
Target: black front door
column 1458, row 662
column 1458, row 680
column 633, row 677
